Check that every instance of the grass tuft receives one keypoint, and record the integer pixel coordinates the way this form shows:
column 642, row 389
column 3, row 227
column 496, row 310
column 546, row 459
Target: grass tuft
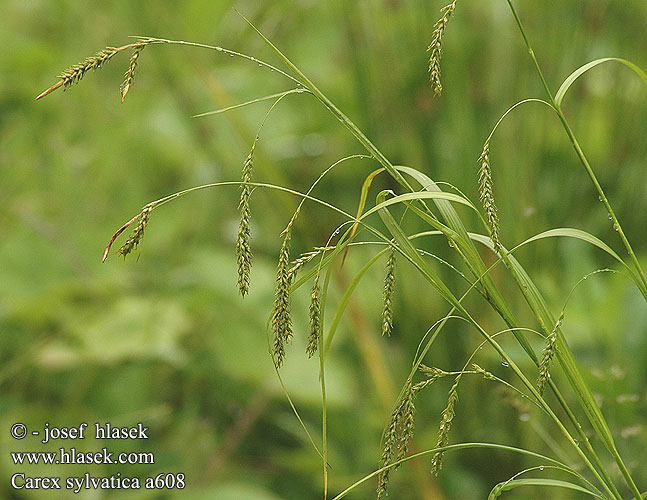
column 399, row 430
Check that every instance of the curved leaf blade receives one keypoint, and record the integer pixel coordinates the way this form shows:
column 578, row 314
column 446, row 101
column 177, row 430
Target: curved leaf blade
column 516, row 483
column 559, row 96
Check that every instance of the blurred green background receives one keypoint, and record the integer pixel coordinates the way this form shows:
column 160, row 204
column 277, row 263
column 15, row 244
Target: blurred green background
column 163, row 338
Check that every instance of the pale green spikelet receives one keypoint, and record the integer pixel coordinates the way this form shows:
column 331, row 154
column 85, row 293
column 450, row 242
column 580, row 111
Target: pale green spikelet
column 136, row 236
column 281, row 315
column 315, row 318
column 445, row 426
column 75, row 73
column 482, row 371
column 547, row 356
column 243, row 247
column 129, row 77
column 387, row 294
column 303, row 259
column 486, row 191
column 435, row 47
column 432, row 374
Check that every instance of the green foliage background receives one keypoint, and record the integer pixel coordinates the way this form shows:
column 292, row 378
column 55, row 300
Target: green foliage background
column 163, row 337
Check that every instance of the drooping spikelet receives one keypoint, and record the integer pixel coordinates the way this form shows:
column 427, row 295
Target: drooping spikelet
column 315, row 319
column 243, row 247
column 435, row 47
column 130, row 73
column 75, row 73
column 486, row 192
column 397, row 436
column 547, row 357
column 445, row 426
column 432, row 374
column 482, row 371
column 303, row 259
column 399, row 432
column 387, row 294
column 281, row 315
column 138, row 233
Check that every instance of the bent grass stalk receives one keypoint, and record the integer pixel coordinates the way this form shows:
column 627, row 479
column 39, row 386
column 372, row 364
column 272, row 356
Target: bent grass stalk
column 398, row 241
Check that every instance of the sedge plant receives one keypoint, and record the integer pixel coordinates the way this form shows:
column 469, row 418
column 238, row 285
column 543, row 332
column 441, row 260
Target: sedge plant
column 421, row 198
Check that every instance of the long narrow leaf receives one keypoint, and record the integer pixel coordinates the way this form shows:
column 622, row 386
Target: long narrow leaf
column 516, row 483
column 559, row 96
column 564, row 354
column 366, row 185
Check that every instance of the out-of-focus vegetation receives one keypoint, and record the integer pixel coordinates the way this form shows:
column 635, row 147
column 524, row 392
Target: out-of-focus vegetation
column 164, row 338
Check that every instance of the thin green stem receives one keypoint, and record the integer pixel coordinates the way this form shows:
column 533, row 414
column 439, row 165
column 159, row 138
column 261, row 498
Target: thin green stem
column 359, row 135
column 370, row 147
column 580, row 153
column 322, row 375
column 605, row 200
column 224, row 51
column 582, row 157
column 252, row 101
column 456, row 447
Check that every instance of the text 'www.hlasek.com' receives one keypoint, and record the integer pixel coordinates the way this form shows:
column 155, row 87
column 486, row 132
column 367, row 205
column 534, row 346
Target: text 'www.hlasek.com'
column 38, row 465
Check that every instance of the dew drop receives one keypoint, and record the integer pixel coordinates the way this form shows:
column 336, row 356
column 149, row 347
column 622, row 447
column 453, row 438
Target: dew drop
column 609, row 217
column 541, row 467
column 260, row 64
column 599, row 198
column 504, row 363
